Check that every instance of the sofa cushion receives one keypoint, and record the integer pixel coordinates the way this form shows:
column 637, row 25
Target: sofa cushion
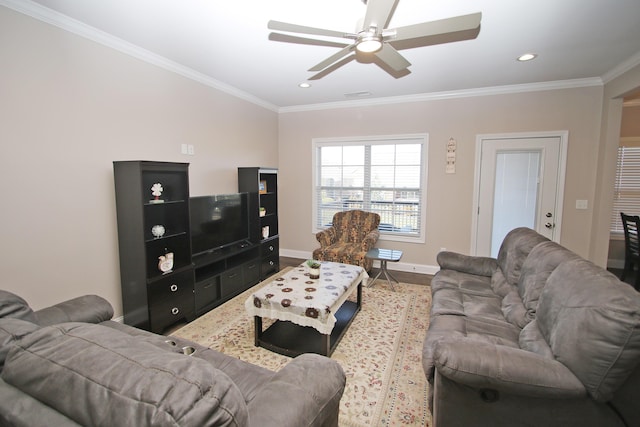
column 467, row 282
column 591, row 321
column 446, row 327
column 465, row 303
column 531, row 339
column 12, row 329
column 513, row 309
column 11, row 305
column 520, row 304
column 537, row 267
column 514, row 250
column 113, row 378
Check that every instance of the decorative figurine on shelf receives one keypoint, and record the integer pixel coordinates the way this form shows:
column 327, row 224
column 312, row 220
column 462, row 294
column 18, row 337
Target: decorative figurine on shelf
column 158, row 231
column 156, row 192
column 263, row 211
column 165, row 263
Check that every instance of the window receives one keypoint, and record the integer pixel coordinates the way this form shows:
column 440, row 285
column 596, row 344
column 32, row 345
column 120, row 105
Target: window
column 626, row 196
column 386, row 175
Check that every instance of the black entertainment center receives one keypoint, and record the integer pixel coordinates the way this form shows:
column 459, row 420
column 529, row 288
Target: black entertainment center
column 182, row 256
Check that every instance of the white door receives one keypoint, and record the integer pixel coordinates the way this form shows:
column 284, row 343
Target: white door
column 519, row 184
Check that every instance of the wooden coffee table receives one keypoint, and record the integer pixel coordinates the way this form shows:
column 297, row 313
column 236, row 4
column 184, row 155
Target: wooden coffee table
column 312, row 315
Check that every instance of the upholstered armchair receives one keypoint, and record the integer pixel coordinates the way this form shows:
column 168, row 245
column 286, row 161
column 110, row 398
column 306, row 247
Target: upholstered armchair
column 352, row 234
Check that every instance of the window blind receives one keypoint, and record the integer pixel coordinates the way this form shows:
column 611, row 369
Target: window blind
column 626, row 195
column 386, row 176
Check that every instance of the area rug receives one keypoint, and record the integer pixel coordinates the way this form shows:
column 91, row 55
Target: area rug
column 380, row 352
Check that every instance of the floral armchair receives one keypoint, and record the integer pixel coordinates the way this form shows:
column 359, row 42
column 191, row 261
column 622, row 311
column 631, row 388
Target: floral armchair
column 352, row 234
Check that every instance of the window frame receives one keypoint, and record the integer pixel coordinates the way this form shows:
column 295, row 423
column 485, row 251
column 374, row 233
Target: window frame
column 421, row 138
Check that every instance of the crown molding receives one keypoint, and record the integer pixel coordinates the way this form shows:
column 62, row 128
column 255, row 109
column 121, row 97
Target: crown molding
column 621, row 68
column 49, row 16
column 44, row 14
column 435, row 96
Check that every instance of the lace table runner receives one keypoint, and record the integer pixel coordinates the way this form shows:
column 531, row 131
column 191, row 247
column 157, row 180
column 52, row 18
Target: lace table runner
column 304, row 301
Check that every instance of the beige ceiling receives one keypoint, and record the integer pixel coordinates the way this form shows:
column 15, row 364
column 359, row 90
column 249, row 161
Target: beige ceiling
column 225, row 44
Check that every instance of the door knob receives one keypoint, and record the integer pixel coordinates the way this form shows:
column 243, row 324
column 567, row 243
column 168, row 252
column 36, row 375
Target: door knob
column 548, row 225
column 549, row 215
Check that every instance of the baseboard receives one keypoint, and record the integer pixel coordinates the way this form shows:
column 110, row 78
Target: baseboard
column 395, row 266
column 615, row 263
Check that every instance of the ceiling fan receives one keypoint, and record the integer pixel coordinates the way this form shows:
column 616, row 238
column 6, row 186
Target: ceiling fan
column 373, row 38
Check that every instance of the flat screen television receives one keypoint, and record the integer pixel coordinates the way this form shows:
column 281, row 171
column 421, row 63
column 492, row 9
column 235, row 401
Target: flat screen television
column 218, row 221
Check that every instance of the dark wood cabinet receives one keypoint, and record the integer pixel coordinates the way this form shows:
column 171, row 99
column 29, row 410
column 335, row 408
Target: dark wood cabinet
column 150, row 227
column 221, row 275
column 262, row 186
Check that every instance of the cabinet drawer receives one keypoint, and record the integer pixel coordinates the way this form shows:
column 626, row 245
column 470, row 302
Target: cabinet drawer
column 206, row 294
column 270, row 247
column 170, row 299
column 230, row 281
column 171, row 287
column 269, row 265
column 251, row 272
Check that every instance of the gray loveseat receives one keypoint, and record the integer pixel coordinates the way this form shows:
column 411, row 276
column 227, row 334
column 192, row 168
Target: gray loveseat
column 70, row 365
column 536, row 337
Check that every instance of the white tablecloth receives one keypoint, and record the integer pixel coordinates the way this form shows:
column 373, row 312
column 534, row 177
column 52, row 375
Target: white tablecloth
column 304, row 301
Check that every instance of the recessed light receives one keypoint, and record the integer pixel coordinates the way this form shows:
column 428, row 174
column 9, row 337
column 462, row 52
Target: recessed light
column 304, row 85
column 527, row 57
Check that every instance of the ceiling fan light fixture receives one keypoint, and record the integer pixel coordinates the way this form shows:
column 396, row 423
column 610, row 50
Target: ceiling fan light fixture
column 369, row 43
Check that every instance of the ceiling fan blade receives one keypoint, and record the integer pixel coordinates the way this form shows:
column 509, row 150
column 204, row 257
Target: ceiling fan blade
column 293, row 28
column 460, row 24
column 378, row 13
column 332, row 68
column 393, row 73
column 333, row 58
column 286, row 38
column 392, row 58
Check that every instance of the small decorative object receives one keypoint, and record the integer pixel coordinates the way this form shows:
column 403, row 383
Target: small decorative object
column 262, row 187
column 451, row 156
column 156, row 192
column 157, row 231
column 314, row 269
column 165, row 263
column 263, row 211
column 265, row 231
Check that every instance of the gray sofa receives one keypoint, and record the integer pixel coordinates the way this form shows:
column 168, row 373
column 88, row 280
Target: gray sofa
column 70, row 365
column 537, row 337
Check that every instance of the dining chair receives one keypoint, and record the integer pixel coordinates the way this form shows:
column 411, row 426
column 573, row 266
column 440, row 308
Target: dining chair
column 631, row 224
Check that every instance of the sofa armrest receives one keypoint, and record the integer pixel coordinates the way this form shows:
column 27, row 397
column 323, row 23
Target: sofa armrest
column 305, row 393
column 87, row 308
column 370, row 240
column 505, row 369
column 481, row 266
column 327, row 237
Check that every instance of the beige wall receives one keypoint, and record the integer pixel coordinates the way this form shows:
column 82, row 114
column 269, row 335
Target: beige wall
column 629, row 128
column 450, row 197
column 630, row 124
column 614, row 91
column 68, row 108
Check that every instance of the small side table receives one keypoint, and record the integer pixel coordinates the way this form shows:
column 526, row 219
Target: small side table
column 384, row 255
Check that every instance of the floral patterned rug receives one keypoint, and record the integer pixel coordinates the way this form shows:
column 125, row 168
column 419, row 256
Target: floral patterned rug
column 380, row 352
